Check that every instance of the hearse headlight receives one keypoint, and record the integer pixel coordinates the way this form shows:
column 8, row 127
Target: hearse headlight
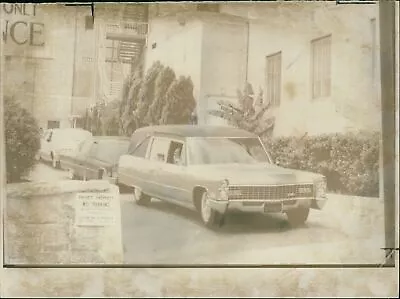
column 320, row 187
column 223, row 190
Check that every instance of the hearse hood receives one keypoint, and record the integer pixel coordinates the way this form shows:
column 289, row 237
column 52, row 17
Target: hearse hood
column 253, row 174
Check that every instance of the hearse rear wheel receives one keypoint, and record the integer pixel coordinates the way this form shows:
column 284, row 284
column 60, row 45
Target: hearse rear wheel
column 210, row 217
column 297, row 216
column 141, row 198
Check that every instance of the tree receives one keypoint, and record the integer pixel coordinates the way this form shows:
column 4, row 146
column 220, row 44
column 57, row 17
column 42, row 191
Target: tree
column 22, row 140
column 180, row 102
column 162, row 84
column 251, row 116
column 109, row 118
column 158, row 98
column 129, row 121
column 147, row 92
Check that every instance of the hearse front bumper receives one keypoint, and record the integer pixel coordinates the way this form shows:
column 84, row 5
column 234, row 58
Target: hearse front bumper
column 265, row 206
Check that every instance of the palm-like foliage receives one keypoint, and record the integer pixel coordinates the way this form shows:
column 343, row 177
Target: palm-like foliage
column 253, row 117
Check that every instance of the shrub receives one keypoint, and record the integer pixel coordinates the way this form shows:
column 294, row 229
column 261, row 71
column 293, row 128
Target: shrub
column 350, row 161
column 248, row 115
column 22, row 140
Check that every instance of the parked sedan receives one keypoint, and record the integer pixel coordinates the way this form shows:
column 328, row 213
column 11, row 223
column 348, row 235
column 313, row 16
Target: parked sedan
column 216, row 170
column 96, row 159
column 56, row 142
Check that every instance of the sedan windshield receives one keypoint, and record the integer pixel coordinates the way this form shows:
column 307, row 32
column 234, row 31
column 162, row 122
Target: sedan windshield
column 226, row 150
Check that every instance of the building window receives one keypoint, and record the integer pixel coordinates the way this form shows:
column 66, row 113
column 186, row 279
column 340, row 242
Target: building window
column 111, row 58
column 273, row 78
column 208, row 7
column 111, row 50
column 53, row 124
column 89, row 23
column 321, row 67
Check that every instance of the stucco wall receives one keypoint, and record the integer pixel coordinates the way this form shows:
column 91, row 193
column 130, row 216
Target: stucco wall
column 41, row 227
column 52, row 86
column 354, row 100
column 208, row 48
column 177, row 46
column 223, row 62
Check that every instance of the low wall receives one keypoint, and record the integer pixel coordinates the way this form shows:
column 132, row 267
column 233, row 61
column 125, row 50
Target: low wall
column 46, row 223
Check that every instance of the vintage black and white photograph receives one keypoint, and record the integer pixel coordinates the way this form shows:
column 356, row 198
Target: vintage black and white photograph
column 199, row 133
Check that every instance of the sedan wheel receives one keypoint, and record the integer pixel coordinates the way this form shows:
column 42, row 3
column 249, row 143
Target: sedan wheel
column 298, row 216
column 141, row 198
column 210, row 217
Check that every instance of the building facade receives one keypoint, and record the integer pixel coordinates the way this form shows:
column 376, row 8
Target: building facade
column 317, row 63
column 59, row 61
column 38, row 49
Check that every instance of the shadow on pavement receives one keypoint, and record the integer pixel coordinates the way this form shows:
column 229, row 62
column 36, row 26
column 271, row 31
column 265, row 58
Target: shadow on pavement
column 234, row 222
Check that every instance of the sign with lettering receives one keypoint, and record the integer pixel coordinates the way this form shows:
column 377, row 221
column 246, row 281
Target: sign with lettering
column 19, row 27
column 95, row 209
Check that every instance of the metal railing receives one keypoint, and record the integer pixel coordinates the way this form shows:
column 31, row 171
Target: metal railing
column 138, row 28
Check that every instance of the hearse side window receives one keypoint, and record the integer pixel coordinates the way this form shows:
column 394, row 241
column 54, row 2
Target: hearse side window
column 159, row 149
column 141, row 150
column 176, row 153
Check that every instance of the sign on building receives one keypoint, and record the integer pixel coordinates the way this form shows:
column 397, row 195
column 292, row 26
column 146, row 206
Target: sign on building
column 19, row 25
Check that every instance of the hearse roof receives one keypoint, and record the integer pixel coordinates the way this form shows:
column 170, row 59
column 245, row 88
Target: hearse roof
column 197, row 131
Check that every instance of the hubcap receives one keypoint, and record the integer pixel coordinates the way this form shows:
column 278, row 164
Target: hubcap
column 205, row 209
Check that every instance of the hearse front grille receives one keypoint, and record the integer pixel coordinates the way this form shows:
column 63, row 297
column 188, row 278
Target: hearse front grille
column 271, row 192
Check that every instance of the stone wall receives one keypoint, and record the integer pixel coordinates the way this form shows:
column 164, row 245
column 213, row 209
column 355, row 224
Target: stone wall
column 40, row 225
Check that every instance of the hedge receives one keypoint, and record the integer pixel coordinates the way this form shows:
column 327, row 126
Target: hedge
column 350, row 161
column 22, row 140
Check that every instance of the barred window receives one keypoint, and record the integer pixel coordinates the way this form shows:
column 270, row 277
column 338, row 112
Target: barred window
column 89, row 22
column 321, row 67
column 53, row 124
column 273, row 78
column 111, row 50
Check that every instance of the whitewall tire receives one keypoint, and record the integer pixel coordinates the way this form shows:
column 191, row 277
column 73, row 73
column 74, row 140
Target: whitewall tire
column 209, row 216
column 140, row 198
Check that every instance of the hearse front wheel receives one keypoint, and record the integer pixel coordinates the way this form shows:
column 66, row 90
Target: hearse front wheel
column 297, row 216
column 141, row 198
column 209, row 216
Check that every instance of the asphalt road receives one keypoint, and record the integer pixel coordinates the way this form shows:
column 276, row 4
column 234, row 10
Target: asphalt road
column 165, row 233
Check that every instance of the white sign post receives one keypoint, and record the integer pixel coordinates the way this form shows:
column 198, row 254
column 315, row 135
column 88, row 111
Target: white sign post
column 95, row 209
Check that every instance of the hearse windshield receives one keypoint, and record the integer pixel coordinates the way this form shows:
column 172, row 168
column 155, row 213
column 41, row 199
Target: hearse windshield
column 222, row 150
